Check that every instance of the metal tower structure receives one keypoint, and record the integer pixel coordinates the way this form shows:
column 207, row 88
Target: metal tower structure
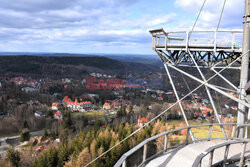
column 244, row 66
column 207, row 49
column 216, row 51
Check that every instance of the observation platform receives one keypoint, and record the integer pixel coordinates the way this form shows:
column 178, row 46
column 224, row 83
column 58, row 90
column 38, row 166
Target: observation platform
column 207, row 47
column 186, row 155
column 228, row 41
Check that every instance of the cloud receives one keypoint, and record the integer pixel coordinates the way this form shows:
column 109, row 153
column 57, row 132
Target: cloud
column 232, row 16
column 68, row 25
column 76, row 21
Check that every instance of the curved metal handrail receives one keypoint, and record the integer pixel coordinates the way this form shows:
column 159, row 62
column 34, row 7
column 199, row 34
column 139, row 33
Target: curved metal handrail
column 122, row 160
column 211, row 150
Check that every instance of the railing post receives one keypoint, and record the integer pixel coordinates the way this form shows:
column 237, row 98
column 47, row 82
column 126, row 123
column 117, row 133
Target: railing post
column 188, row 130
column 211, row 158
column 165, row 142
column 242, row 155
column 124, row 163
column 199, row 165
column 233, row 40
column 233, row 131
column 187, row 40
column 225, row 155
column 210, row 132
column 153, row 43
column 215, row 41
column 248, row 120
column 145, row 148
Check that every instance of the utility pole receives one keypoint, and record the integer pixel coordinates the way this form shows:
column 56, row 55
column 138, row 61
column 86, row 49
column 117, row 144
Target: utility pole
column 244, row 67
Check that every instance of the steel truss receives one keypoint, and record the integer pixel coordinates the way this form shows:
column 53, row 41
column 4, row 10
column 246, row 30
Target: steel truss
column 183, row 52
column 205, row 59
column 169, row 63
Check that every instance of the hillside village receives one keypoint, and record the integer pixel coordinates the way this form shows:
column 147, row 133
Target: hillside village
column 68, row 105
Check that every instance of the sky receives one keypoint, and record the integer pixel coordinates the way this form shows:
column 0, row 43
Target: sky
column 104, row 26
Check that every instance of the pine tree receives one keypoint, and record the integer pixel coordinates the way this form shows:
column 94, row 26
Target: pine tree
column 93, row 147
column 13, row 156
column 25, row 125
column 52, row 158
column 63, row 154
column 25, row 135
column 45, row 132
column 83, row 158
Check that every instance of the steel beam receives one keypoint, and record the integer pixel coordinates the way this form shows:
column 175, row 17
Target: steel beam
column 209, row 94
column 211, row 86
column 178, row 99
column 230, row 83
column 244, row 67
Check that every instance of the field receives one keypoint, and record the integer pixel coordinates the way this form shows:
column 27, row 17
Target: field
column 89, row 114
column 199, row 132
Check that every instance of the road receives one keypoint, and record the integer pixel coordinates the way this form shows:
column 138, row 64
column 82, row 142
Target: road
column 14, row 140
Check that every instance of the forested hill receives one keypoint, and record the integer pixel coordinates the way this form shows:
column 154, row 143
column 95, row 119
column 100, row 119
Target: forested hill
column 68, row 66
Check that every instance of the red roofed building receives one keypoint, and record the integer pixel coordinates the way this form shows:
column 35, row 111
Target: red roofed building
column 179, row 112
column 235, row 108
column 142, row 121
column 206, row 109
column 55, row 106
column 107, row 106
column 76, row 106
column 160, row 96
column 116, row 105
column 58, row 115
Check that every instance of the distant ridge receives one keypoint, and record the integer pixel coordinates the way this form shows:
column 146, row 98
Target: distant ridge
column 68, row 66
column 139, row 58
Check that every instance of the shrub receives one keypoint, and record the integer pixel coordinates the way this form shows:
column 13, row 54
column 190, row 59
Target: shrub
column 25, row 135
column 13, row 156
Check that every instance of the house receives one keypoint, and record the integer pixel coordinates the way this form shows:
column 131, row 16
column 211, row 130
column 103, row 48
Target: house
column 116, row 105
column 93, row 74
column 205, row 101
column 107, row 106
column 66, row 80
column 55, row 106
column 235, row 108
column 179, row 112
column 58, row 115
column 206, row 109
column 39, row 114
column 76, row 106
column 38, row 150
column 57, row 94
column 142, row 121
column 160, row 97
column 93, row 95
column 29, row 89
column 85, row 105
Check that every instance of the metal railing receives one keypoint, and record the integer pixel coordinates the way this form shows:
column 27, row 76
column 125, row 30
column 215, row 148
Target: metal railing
column 144, row 144
column 213, row 40
column 210, row 152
